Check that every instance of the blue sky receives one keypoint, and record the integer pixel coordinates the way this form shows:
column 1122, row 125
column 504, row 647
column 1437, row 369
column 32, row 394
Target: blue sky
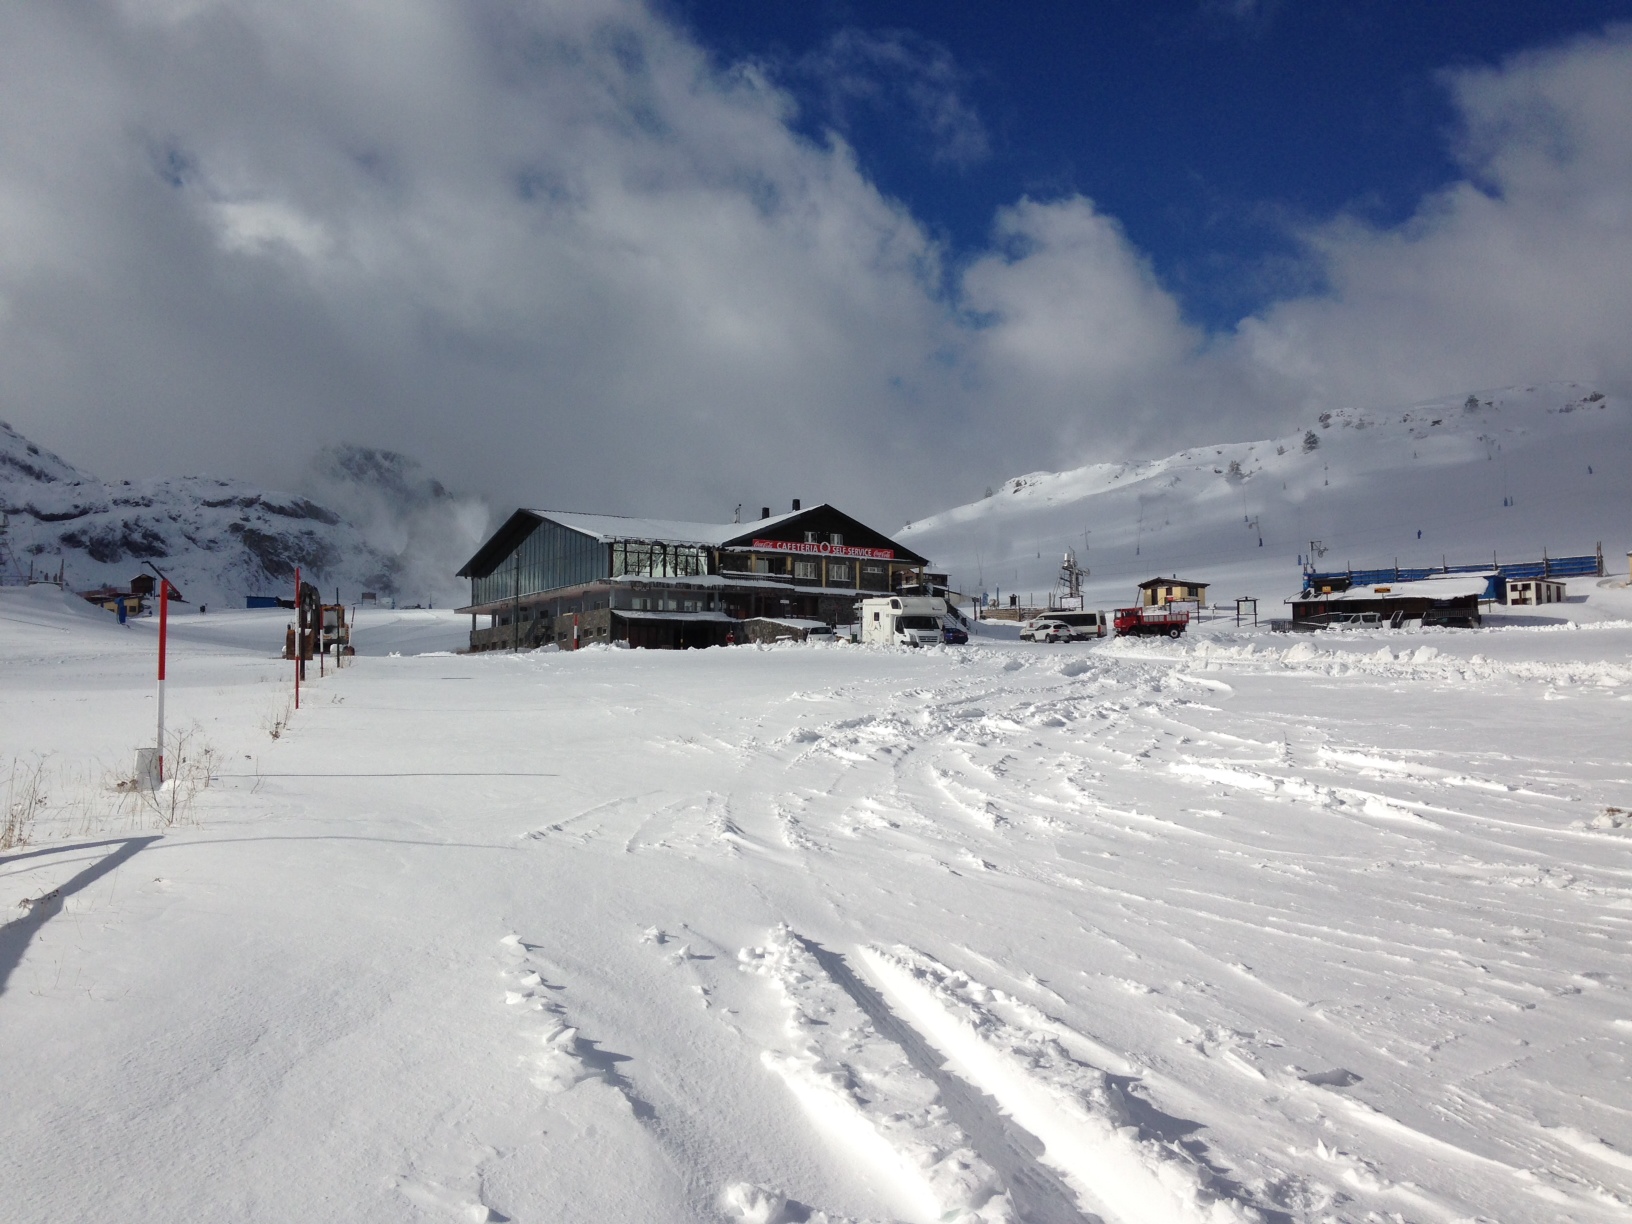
column 1211, row 129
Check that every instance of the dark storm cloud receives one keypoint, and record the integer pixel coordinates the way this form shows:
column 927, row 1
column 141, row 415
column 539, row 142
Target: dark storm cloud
column 554, row 253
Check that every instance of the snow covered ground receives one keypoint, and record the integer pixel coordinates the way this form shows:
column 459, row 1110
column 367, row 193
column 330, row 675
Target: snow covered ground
column 1242, row 927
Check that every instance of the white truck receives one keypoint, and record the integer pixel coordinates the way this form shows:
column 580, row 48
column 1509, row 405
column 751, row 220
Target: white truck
column 902, row 620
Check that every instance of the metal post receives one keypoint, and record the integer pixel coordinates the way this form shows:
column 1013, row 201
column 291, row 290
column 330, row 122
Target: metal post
column 164, row 635
column 298, row 636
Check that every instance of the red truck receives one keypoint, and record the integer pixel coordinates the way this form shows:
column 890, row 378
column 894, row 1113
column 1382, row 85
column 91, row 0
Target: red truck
column 1169, row 621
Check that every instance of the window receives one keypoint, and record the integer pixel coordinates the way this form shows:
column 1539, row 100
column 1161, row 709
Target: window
column 804, row 569
column 759, row 565
column 838, row 573
column 811, row 537
column 658, row 560
column 836, row 540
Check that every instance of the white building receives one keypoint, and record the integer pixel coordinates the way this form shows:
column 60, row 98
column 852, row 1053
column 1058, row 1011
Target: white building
column 1534, row 591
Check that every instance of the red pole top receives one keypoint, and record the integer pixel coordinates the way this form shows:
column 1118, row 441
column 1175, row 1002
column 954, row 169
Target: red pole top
column 164, row 620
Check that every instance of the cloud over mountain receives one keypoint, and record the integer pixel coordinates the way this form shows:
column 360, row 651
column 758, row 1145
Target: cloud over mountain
column 564, row 254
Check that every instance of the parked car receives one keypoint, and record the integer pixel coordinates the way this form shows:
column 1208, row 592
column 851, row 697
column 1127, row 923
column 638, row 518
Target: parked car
column 821, row 633
column 1451, row 618
column 954, row 634
column 1340, row 620
column 1046, row 630
column 1038, row 628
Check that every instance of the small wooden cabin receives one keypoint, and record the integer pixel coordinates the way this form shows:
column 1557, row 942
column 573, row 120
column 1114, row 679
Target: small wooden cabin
column 1154, row 592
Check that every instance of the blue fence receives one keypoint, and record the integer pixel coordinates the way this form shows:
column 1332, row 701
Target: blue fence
column 1548, row 567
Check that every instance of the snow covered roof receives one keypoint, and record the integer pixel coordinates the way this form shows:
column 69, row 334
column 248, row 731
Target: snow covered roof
column 609, row 527
column 1452, row 586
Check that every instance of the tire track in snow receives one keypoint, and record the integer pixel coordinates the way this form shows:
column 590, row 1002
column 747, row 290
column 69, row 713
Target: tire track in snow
column 1084, row 1121
column 1039, row 1196
column 867, row 1093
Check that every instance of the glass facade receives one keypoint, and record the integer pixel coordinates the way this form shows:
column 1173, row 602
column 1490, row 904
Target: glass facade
column 550, row 558
column 658, row 560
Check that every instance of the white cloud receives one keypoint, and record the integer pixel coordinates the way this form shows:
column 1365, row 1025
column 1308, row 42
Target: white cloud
column 1522, row 271
column 549, row 249
column 907, row 78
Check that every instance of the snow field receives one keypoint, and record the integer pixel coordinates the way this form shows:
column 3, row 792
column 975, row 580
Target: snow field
column 1239, row 927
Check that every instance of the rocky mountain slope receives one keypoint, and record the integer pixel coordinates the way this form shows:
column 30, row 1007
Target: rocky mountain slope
column 369, row 520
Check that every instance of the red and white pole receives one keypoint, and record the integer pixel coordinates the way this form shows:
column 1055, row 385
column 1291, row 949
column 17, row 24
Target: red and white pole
column 164, row 639
column 298, row 636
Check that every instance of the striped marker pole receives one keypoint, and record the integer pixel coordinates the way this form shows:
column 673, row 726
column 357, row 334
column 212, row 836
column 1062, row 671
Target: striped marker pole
column 298, row 636
column 164, row 638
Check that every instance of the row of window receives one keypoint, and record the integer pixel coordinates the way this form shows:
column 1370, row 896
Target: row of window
column 553, row 557
column 658, row 560
column 671, row 603
column 839, row 573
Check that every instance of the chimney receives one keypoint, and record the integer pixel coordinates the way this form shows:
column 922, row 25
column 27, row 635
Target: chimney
column 796, row 505
column 764, row 512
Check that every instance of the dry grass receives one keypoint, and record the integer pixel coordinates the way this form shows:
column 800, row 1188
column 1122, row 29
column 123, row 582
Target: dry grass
column 25, row 797
column 92, row 799
column 276, row 720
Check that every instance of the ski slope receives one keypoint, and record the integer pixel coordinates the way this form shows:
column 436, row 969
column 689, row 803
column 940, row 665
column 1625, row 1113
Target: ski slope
column 1523, row 471
column 1243, row 927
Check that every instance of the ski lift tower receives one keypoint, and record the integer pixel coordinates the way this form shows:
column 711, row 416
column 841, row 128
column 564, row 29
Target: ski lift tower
column 1071, row 576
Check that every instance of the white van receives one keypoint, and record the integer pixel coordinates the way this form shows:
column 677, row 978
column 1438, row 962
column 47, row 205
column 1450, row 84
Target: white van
column 902, row 620
column 1083, row 624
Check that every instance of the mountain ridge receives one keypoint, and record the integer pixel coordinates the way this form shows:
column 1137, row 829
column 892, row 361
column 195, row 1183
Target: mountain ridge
column 220, row 540
column 1509, row 471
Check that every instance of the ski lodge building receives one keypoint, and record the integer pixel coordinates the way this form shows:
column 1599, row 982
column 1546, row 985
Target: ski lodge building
column 552, row 576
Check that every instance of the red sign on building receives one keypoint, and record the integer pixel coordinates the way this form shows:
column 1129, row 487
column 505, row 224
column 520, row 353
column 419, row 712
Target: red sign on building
column 826, row 550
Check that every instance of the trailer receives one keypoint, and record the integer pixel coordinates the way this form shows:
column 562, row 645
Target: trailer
column 901, row 620
column 1161, row 619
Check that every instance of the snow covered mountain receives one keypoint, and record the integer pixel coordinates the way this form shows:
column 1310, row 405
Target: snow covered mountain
column 1506, row 473
column 371, row 520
